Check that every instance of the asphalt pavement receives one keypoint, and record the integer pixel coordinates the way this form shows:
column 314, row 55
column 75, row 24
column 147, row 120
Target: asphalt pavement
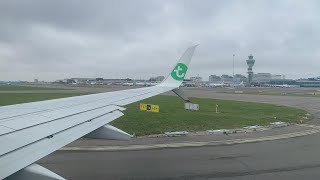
column 294, row 158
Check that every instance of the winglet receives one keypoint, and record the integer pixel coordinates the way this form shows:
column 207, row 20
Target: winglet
column 175, row 78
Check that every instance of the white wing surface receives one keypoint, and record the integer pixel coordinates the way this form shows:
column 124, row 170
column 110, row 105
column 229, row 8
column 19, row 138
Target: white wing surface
column 31, row 131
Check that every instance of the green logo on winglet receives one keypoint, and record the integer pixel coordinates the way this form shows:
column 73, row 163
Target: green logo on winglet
column 179, row 72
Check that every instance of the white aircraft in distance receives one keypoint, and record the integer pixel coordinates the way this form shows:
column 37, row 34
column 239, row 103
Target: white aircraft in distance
column 153, row 83
column 31, row 131
column 128, row 84
column 214, row 85
column 285, row 86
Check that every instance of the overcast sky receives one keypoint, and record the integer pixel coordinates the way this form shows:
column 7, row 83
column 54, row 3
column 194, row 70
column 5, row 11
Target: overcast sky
column 58, row 39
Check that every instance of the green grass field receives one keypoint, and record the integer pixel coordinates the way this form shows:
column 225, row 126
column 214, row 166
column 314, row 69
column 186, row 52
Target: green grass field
column 17, row 98
column 173, row 117
column 25, row 88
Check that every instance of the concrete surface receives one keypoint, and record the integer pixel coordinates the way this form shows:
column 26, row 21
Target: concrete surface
column 294, row 158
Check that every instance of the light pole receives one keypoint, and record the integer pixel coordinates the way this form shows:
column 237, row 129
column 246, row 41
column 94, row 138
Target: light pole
column 233, row 67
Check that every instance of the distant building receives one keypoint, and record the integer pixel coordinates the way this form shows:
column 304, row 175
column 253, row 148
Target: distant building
column 83, row 80
column 69, row 81
column 262, row 77
column 226, row 78
column 310, row 82
column 283, row 82
column 158, row 78
column 36, row 80
column 214, row 78
column 240, row 78
column 196, row 79
column 276, row 76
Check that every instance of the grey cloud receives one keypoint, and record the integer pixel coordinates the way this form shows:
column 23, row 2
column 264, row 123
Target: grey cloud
column 56, row 39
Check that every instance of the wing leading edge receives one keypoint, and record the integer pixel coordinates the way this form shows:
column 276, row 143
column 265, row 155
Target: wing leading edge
column 31, row 131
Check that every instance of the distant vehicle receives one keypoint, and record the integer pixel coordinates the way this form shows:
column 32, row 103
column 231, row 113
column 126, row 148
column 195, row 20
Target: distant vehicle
column 152, row 83
column 128, row 84
column 140, row 84
column 282, row 86
column 189, row 85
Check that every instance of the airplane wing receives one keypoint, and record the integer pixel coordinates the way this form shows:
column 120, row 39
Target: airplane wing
column 31, row 131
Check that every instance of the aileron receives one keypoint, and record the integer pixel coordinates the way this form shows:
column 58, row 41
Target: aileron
column 27, row 136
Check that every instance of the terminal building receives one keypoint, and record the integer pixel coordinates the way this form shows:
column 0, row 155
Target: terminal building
column 310, row 82
column 214, row 78
column 157, row 78
column 240, row 78
column 196, row 79
column 226, row 78
column 262, row 77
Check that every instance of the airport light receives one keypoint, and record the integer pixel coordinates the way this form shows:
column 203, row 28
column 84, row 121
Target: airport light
column 233, row 67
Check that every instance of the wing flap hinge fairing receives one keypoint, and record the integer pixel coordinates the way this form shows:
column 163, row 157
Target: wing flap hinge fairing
column 34, row 172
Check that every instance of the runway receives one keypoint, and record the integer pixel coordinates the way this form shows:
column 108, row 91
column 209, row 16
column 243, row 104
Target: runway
column 294, row 158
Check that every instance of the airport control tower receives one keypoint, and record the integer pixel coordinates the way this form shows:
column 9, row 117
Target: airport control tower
column 250, row 63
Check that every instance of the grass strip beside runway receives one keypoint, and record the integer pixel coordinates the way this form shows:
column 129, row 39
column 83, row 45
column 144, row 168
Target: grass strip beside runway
column 173, row 117
column 25, row 88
